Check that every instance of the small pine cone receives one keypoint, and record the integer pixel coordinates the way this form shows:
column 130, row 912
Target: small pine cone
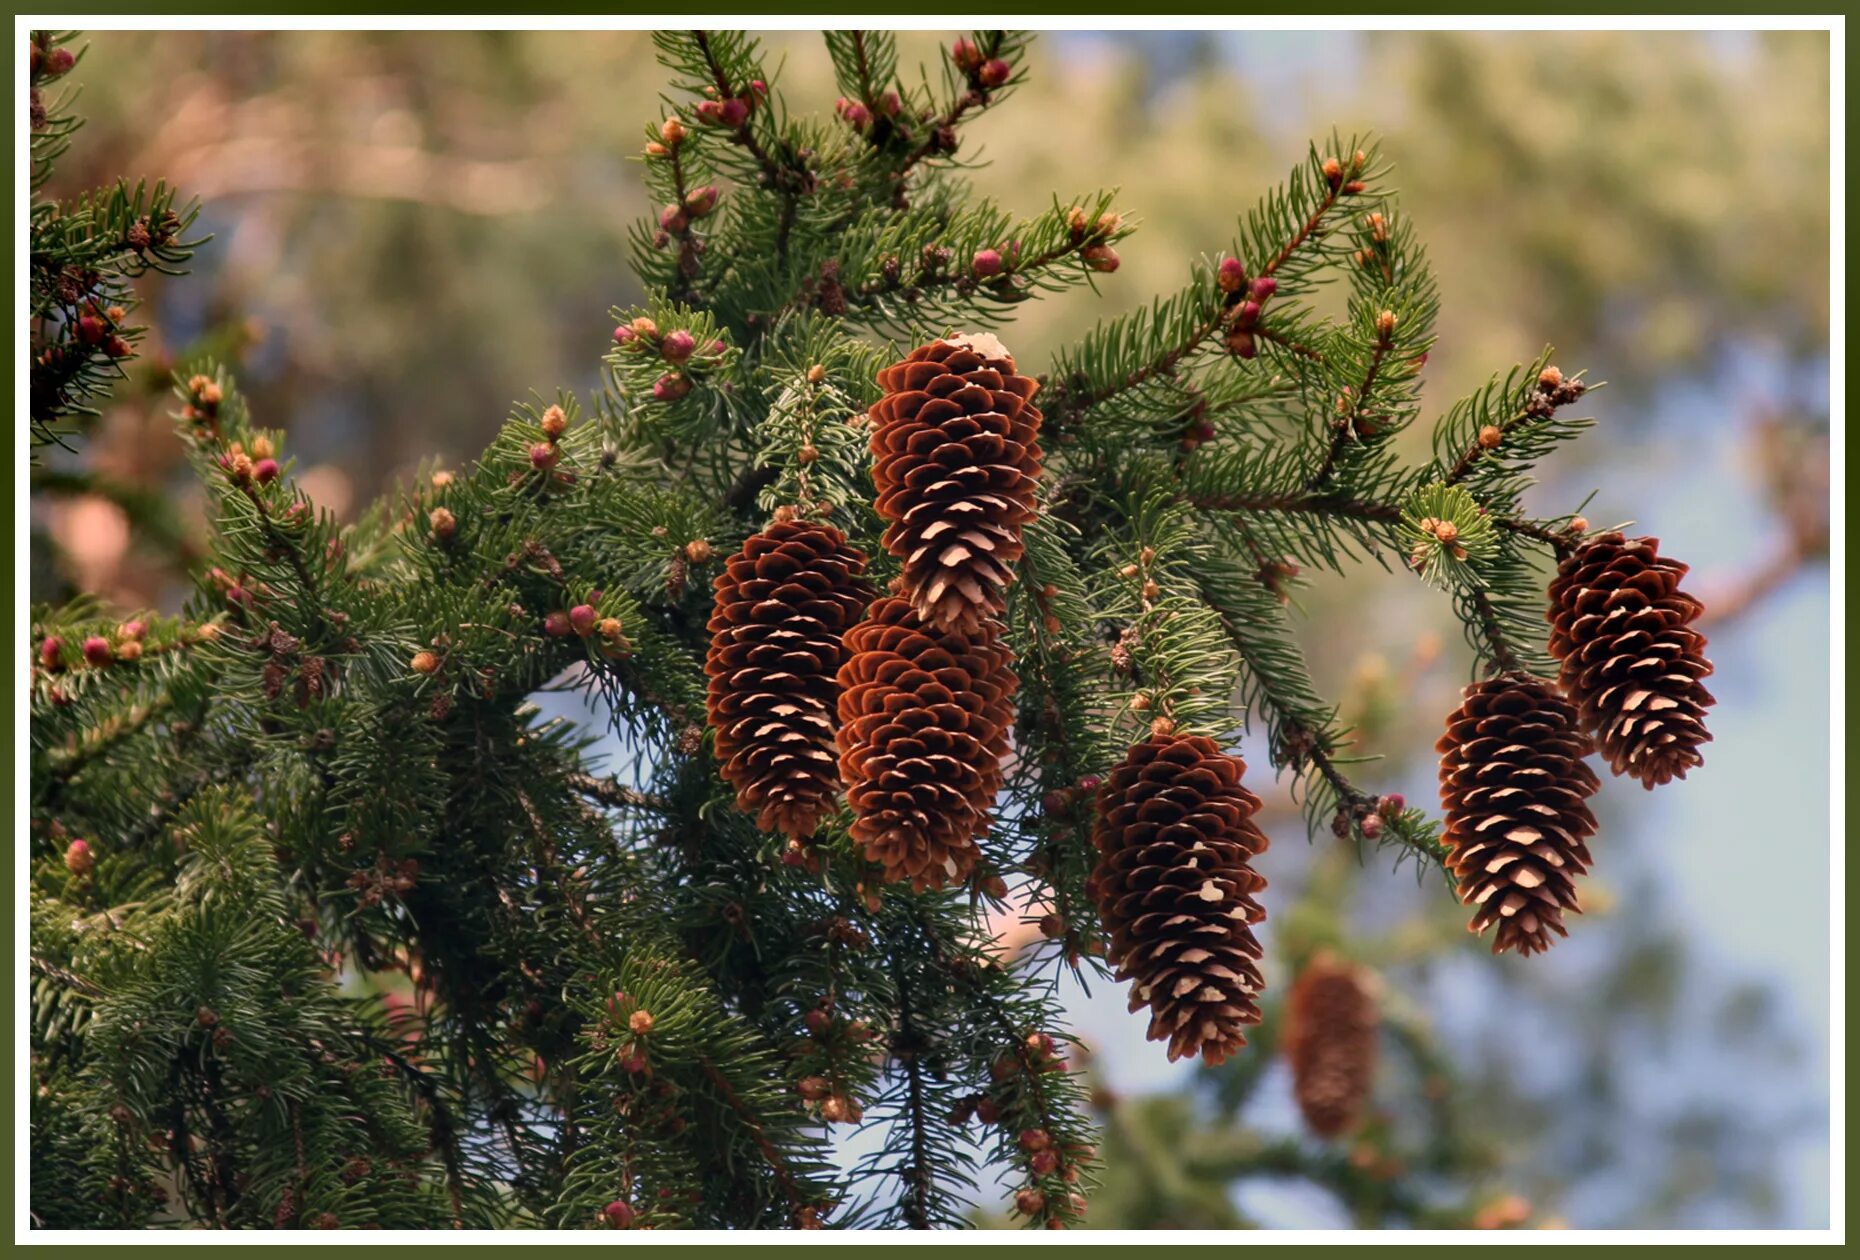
column 1515, row 791
column 1631, row 660
column 924, row 719
column 1174, row 885
column 1330, row 1043
column 956, row 464
column 781, row 607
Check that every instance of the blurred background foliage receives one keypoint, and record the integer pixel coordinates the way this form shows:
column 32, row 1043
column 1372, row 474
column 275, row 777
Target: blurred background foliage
column 412, row 230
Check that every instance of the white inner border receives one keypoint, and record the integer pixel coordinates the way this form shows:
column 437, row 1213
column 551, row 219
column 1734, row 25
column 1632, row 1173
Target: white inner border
column 1837, row 561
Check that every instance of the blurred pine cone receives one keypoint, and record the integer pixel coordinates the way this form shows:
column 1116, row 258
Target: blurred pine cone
column 781, row 607
column 1515, row 791
column 924, row 719
column 1631, row 660
column 956, row 464
column 1330, row 1042
column 1174, row 885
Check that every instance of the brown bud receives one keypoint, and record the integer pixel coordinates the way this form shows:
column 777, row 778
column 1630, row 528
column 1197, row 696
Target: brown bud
column 443, row 522
column 424, row 663
column 1490, row 436
column 698, row 551
column 640, row 1022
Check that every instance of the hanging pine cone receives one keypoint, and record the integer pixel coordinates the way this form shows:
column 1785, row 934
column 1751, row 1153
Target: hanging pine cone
column 1515, row 791
column 781, row 607
column 1631, row 660
column 1330, row 1043
column 1174, row 885
column 924, row 718
column 956, row 465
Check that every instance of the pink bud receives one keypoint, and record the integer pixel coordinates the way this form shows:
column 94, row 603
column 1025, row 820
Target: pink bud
column 734, row 112
column 758, row 87
column 701, row 201
column 581, row 619
column 557, row 625
column 671, row 387
column 266, row 470
column 996, row 72
column 1249, row 312
column 619, row 1214
column 48, row 653
column 987, row 263
column 623, row 335
column 891, row 104
column 91, row 329
column 1265, row 287
column 1371, row 826
column 1392, row 804
column 1100, row 257
column 97, row 650
column 79, row 860
column 677, row 346
column 133, row 629
column 717, row 346
column 543, row 456
column 59, row 61
column 858, row 115
column 710, row 112
column 965, row 54
column 674, row 219
column 1231, row 276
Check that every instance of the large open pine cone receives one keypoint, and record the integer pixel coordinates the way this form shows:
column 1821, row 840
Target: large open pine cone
column 1631, row 660
column 924, row 719
column 956, row 465
column 1515, row 791
column 1330, row 1043
column 781, row 607
column 1174, row 885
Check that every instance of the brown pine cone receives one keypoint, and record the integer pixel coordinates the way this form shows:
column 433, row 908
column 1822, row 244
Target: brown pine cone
column 1330, row 1043
column 1174, row 886
column 781, row 607
column 1631, row 660
column 1515, row 791
column 956, row 464
column 924, row 719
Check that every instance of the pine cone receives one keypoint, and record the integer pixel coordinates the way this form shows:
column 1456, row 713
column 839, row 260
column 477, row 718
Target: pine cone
column 924, row 719
column 781, row 606
column 956, row 465
column 1175, row 837
column 1631, row 661
column 1514, row 788
column 1330, row 1042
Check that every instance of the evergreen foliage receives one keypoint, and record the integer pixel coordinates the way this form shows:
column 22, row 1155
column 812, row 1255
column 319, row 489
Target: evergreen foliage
column 85, row 254
column 361, row 938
